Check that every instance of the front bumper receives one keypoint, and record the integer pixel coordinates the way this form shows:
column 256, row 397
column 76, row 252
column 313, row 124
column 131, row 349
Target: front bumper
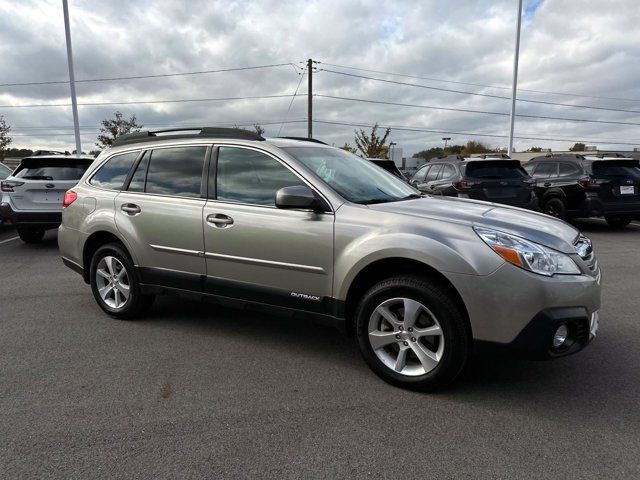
column 535, row 341
column 10, row 216
column 516, row 308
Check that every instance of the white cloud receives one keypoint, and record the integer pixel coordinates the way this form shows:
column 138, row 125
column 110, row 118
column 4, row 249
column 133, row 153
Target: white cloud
column 587, row 47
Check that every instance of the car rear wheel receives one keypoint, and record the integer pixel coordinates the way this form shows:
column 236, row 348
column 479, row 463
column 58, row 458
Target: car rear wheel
column 31, row 234
column 412, row 333
column 618, row 222
column 115, row 285
column 555, row 207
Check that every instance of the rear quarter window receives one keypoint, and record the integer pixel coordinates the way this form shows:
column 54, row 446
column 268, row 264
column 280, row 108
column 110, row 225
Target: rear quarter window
column 52, row 169
column 113, row 173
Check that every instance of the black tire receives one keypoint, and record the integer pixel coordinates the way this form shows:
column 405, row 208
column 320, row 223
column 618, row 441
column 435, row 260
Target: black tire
column 450, row 315
column 137, row 303
column 31, row 234
column 555, row 207
column 618, row 222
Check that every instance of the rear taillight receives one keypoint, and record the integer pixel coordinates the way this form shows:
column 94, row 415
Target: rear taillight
column 69, row 197
column 462, row 185
column 530, row 184
column 7, row 185
column 588, row 182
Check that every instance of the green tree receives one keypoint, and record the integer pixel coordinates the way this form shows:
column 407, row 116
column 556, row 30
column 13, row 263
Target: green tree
column 372, row 145
column 259, row 129
column 429, row 153
column 349, row 148
column 578, row 147
column 475, row 147
column 535, row 149
column 113, row 128
column 5, row 139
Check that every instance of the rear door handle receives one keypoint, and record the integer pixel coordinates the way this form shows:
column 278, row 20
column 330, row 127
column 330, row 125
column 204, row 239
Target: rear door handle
column 130, row 209
column 547, row 184
column 219, row 220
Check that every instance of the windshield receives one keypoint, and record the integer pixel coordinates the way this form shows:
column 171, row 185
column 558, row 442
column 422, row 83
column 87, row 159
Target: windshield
column 352, row 177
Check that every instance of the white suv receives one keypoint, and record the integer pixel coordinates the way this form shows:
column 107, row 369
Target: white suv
column 32, row 195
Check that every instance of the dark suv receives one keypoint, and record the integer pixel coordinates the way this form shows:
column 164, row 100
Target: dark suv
column 577, row 186
column 490, row 179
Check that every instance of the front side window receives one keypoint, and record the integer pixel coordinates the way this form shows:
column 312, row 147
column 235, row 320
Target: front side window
column 352, row 177
column 252, row 177
column 176, row 171
column 433, row 173
column 113, row 173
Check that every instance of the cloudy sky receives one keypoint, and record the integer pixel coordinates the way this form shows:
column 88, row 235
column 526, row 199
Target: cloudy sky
column 573, row 52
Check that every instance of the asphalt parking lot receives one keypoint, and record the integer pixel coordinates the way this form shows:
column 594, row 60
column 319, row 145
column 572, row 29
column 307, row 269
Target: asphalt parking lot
column 196, row 390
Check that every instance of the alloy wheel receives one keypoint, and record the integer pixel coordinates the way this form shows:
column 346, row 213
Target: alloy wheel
column 406, row 336
column 112, row 280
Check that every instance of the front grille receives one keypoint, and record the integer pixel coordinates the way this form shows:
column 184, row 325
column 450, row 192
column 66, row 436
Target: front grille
column 584, row 249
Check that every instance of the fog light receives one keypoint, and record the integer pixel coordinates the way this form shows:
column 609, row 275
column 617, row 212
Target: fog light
column 560, row 336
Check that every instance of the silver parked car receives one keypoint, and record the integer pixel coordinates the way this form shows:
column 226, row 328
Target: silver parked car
column 32, row 195
column 313, row 229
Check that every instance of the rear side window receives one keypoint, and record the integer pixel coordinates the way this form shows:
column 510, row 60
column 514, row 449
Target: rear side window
column 114, row 172
column 567, row 170
column 447, row 172
column 176, row 171
column 499, row 169
column 52, row 169
column 617, row 168
column 251, row 177
column 546, row 169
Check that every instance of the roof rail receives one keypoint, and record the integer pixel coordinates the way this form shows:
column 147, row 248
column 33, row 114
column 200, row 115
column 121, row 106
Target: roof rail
column 609, row 154
column 484, row 156
column 451, row 158
column 203, row 132
column 305, row 139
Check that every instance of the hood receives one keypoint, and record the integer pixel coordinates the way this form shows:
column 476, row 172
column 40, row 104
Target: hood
column 536, row 227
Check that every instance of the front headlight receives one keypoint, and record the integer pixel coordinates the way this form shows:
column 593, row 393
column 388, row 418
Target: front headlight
column 528, row 255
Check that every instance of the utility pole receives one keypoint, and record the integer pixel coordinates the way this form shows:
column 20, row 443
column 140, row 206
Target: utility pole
column 72, row 80
column 514, row 87
column 310, row 99
column 446, row 139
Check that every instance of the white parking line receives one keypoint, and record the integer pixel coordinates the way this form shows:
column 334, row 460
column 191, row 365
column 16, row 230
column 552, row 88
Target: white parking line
column 9, row 240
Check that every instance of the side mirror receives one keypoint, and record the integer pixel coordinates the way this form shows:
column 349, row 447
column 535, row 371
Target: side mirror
column 298, row 196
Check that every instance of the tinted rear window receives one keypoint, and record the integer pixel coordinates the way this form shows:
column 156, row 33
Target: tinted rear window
column 617, row 169
column 52, row 169
column 499, row 169
column 176, row 171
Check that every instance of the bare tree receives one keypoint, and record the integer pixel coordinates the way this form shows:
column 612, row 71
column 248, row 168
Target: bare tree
column 113, row 128
column 371, row 145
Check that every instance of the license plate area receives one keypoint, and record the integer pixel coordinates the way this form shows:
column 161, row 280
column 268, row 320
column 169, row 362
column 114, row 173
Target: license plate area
column 627, row 190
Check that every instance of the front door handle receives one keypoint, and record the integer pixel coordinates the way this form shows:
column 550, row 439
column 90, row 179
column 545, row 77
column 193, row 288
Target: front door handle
column 547, row 184
column 219, row 220
column 130, row 209
column 432, row 187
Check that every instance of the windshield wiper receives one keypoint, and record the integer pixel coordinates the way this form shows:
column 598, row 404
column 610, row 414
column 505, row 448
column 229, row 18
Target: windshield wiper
column 387, row 200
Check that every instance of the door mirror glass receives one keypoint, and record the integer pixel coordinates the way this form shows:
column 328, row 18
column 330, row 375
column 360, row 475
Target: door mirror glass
column 298, row 196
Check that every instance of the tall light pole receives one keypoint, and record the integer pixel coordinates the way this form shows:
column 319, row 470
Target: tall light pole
column 446, row 139
column 72, row 80
column 514, row 87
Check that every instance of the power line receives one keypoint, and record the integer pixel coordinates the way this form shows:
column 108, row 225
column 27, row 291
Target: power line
column 140, row 102
column 136, row 77
column 541, row 102
column 482, row 84
column 466, row 110
column 471, row 134
column 292, row 99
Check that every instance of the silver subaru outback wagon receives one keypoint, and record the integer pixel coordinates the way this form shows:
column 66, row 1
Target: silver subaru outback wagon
column 305, row 227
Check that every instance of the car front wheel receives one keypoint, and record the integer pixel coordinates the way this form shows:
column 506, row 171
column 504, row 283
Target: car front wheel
column 412, row 333
column 115, row 285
